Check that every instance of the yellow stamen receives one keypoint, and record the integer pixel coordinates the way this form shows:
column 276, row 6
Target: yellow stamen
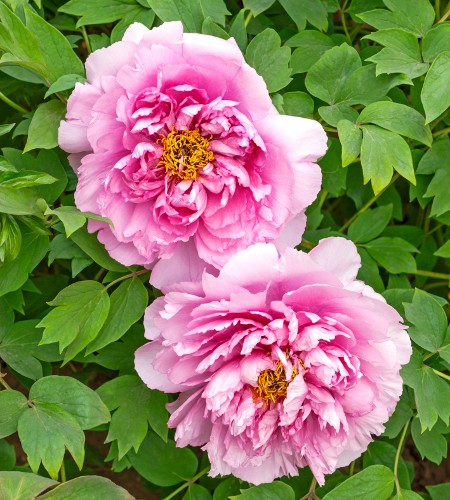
column 272, row 384
column 184, row 153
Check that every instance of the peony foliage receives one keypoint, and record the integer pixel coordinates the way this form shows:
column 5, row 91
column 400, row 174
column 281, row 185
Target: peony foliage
column 358, row 405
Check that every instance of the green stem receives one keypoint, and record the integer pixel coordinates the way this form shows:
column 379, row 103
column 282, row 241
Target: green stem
column 322, row 197
column 368, row 204
column 397, row 457
column 131, row 275
column 442, row 375
column 428, row 356
column 86, row 39
column 14, row 105
column 431, row 274
column 436, row 284
column 444, row 131
column 437, row 8
column 248, row 18
column 62, row 472
column 307, row 244
column 3, row 382
column 352, row 468
column 344, row 25
column 444, row 17
column 312, row 491
column 187, row 484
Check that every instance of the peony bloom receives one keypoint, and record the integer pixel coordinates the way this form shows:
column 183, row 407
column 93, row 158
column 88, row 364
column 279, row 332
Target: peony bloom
column 175, row 139
column 281, row 361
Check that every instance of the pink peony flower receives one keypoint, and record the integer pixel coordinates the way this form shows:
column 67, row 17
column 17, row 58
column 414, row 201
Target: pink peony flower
column 281, row 361
column 175, row 139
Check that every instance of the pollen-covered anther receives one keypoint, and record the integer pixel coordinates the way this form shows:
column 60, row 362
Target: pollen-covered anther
column 272, row 384
column 184, row 153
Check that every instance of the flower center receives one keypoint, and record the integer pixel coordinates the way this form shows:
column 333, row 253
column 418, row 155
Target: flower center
column 272, row 384
column 184, row 153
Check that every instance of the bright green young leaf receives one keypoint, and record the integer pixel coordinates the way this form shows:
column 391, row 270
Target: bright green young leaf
column 80, row 310
column 432, row 392
column 444, row 250
column 22, row 485
column 381, row 152
column 128, row 395
column 6, row 128
column 45, row 431
column 14, row 274
column 64, row 82
column 71, row 218
column 439, row 491
column 435, row 96
column 25, row 178
column 310, row 45
column 438, row 190
column 13, row 404
column 373, row 483
column 394, row 254
column 18, row 349
column 380, row 452
column 163, row 463
column 99, row 11
column 73, row 396
column 258, row 6
column 432, row 445
column 10, row 238
column 43, row 131
column 370, row 224
column 272, row 491
column 18, row 201
column 91, row 246
column 350, row 136
column 327, row 78
column 437, row 40
column 128, row 303
column 407, row 495
column 88, row 487
column 428, row 319
column 301, row 11
column 298, row 104
column 270, row 60
column 417, row 21
column 397, row 118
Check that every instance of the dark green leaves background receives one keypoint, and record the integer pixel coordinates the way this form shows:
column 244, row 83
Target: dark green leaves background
column 375, row 73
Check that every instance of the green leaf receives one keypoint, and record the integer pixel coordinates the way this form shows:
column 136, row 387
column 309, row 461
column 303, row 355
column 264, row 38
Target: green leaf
column 373, row 483
column 60, row 59
column 22, row 485
column 88, row 487
column 417, row 21
column 7, row 127
column 43, row 131
column 272, row 491
column 99, row 11
column 227, row 488
column 25, row 178
column 437, row 40
column 301, row 11
column 90, row 245
column 80, row 311
column 163, row 463
column 7, row 457
column 435, row 98
column 76, row 398
column 18, row 202
column 370, row 224
column 209, row 27
column 238, row 30
column 310, row 47
column 439, row 491
column 444, row 250
column 369, row 271
column 400, row 55
column 397, row 118
column 18, row 349
column 129, row 395
column 197, row 492
column 337, row 112
column 401, row 415
column 428, row 319
column 432, row 445
column 144, row 16
column 394, row 254
column 128, row 303
column 71, row 218
column 298, row 104
column 381, row 152
column 407, row 495
column 10, row 238
column 45, row 431
column 269, row 59
column 15, row 273
column 432, row 392
column 64, row 82
column 438, row 189
column 13, row 404
column 327, row 78
column 258, row 6
column 215, row 9
column 383, row 453
column 350, row 136
column 188, row 11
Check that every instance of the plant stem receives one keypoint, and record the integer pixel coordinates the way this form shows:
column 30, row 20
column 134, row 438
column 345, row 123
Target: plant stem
column 442, row 375
column 248, row 18
column 444, row 17
column 187, row 484
column 131, row 275
column 368, row 204
column 3, row 382
column 431, row 274
column 311, row 493
column 307, row 244
column 344, row 25
column 352, row 468
column 397, row 456
column 86, row 39
column 62, row 472
column 13, row 104
column 444, row 131
column 437, row 8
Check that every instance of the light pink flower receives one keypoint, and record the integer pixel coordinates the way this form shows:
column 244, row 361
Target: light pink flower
column 281, row 361
column 175, row 139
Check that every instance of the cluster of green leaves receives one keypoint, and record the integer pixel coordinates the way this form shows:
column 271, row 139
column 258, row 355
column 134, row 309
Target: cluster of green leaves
column 375, row 74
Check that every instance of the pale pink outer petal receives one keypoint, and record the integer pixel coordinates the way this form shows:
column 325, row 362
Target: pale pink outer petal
column 339, row 256
column 167, row 34
column 291, row 235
